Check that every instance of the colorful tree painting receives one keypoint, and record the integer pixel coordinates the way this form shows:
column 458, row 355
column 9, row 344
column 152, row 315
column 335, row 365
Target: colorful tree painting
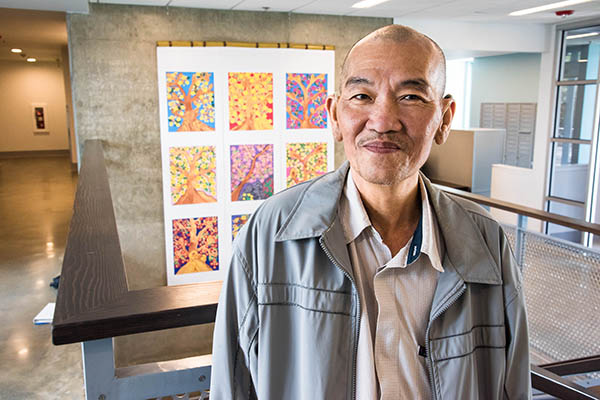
column 251, row 171
column 305, row 161
column 305, row 103
column 237, row 221
column 193, row 175
column 195, row 245
column 250, row 101
column 190, row 101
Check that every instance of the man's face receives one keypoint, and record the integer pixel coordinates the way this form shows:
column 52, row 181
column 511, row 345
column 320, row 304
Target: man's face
column 390, row 109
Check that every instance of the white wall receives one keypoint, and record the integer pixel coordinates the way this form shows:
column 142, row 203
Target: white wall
column 526, row 186
column 475, row 39
column 22, row 84
column 69, row 99
column 511, row 78
column 468, row 39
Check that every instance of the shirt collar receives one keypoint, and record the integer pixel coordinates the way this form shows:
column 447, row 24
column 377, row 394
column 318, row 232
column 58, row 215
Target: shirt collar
column 426, row 238
column 355, row 218
column 432, row 240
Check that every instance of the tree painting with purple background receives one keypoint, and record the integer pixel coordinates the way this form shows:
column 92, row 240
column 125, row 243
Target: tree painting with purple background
column 305, row 101
column 251, row 171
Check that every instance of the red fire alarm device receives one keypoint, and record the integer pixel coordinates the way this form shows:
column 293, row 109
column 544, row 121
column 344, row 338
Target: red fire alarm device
column 40, row 122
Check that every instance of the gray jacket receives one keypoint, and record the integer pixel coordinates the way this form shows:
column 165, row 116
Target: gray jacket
column 288, row 318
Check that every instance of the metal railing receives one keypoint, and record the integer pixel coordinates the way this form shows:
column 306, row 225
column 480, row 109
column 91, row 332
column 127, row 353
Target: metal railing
column 94, row 303
column 561, row 282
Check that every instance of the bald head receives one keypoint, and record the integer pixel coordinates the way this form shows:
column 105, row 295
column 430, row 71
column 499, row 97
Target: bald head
column 402, row 34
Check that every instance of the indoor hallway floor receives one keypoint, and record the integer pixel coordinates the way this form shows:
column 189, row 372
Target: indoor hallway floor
column 36, row 202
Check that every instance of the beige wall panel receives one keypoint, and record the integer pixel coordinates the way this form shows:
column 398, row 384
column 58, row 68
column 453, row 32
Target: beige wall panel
column 21, row 84
column 452, row 162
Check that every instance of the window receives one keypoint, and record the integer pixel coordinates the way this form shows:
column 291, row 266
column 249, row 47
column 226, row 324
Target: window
column 574, row 142
column 458, row 84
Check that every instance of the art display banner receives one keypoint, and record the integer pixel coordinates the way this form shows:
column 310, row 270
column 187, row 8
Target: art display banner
column 237, row 125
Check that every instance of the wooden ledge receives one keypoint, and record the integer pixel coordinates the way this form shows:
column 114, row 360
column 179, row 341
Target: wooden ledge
column 93, row 300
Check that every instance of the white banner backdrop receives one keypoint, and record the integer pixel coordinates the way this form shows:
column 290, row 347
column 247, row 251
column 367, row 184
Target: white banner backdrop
column 237, row 125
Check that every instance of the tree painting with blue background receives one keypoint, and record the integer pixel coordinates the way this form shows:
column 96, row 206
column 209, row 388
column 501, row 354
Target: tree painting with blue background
column 190, row 101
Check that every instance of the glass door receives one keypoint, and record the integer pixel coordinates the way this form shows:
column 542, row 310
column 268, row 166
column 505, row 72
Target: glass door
column 574, row 142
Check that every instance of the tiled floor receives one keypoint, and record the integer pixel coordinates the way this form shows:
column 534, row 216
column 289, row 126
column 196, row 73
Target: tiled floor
column 36, row 200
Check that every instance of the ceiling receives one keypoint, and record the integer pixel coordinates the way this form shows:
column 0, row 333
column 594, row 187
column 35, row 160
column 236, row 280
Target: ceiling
column 48, row 5
column 38, row 26
column 464, row 10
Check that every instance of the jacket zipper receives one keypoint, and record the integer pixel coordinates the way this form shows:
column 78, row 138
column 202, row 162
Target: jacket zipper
column 357, row 328
column 446, row 306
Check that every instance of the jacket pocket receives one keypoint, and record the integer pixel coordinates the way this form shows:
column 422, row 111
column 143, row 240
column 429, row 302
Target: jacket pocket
column 470, row 365
column 306, row 298
column 305, row 345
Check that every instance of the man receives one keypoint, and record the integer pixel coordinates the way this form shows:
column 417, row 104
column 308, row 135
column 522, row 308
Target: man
column 369, row 282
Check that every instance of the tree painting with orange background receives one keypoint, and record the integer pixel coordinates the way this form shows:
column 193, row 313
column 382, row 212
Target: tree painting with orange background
column 251, row 171
column 305, row 102
column 305, row 161
column 195, row 245
column 250, row 101
column 193, row 175
column 191, row 101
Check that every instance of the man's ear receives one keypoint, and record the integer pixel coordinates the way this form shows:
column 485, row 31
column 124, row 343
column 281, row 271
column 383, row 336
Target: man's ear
column 448, row 109
column 332, row 110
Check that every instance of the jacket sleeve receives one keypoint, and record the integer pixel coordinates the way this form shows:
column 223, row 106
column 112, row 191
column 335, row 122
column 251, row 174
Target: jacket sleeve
column 517, row 383
column 236, row 327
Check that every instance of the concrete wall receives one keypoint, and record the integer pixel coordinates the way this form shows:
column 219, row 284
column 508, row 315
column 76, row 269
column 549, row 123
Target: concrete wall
column 21, row 84
column 511, row 78
column 113, row 69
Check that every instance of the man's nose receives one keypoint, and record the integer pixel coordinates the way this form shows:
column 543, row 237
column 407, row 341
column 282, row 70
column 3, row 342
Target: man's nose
column 383, row 116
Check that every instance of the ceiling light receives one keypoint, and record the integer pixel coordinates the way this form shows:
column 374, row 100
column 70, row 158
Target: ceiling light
column 367, row 3
column 547, row 7
column 31, row 59
column 582, row 60
column 16, row 50
column 582, row 35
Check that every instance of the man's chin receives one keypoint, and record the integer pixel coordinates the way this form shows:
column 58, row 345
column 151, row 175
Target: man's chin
column 380, row 177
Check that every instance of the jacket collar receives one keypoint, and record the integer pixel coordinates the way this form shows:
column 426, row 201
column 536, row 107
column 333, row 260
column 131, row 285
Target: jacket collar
column 466, row 249
column 316, row 208
column 467, row 255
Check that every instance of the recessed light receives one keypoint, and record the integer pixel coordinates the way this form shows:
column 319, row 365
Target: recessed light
column 582, row 35
column 16, row 50
column 31, row 59
column 367, row 3
column 547, row 7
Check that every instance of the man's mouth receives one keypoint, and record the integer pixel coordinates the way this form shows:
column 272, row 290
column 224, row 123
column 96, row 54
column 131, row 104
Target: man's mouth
column 382, row 146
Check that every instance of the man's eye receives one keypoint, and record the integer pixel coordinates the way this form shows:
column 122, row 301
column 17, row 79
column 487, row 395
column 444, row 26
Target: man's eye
column 360, row 96
column 411, row 97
